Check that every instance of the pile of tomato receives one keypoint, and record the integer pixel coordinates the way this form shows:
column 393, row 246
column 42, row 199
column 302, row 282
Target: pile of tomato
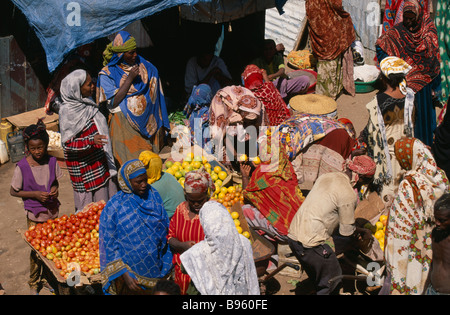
column 70, row 239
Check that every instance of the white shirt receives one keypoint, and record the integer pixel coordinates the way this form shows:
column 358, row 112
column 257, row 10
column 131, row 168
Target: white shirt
column 330, row 203
column 194, row 74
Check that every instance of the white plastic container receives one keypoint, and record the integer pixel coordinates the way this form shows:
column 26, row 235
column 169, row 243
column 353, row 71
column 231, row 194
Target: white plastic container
column 3, row 153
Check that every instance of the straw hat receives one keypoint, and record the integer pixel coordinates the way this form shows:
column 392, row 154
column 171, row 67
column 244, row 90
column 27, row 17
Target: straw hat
column 314, row 104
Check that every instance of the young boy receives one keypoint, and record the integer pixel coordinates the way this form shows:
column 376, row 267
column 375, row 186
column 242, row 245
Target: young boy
column 35, row 180
column 439, row 275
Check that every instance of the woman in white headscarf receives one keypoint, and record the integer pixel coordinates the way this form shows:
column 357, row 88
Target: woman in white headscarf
column 84, row 137
column 390, row 118
column 221, row 264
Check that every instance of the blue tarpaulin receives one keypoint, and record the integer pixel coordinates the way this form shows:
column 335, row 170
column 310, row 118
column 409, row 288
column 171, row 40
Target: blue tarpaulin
column 63, row 25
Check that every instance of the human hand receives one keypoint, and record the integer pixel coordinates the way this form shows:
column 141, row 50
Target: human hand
column 134, row 72
column 54, row 192
column 187, row 245
column 131, row 282
column 245, row 169
column 41, row 196
column 100, row 140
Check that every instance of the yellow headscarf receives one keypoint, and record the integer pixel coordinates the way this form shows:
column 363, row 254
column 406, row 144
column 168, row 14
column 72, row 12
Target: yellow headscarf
column 394, row 64
column 153, row 165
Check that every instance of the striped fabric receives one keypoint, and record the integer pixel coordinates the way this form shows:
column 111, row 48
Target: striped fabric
column 184, row 229
column 86, row 162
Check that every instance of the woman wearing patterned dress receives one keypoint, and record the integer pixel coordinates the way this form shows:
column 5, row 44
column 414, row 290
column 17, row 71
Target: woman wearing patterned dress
column 84, row 137
column 131, row 88
column 408, row 252
column 134, row 253
column 390, row 118
column 185, row 229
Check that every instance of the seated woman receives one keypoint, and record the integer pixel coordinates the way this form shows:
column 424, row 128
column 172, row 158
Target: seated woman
column 234, row 119
column 408, row 253
column 257, row 81
column 390, row 118
column 221, row 264
column 273, row 63
column 134, row 253
column 185, row 229
column 84, row 137
column 271, row 197
column 131, row 88
column 166, row 184
column 197, row 111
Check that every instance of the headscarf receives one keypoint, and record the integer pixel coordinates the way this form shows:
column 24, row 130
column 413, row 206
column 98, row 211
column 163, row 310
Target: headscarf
column 76, row 111
column 144, row 105
column 199, row 181
column 362, row 165
column 230, row 106
column 395, row 65
column 116, row 48
column 153, row 164
column 300, row 130
column 131, row 169
column 37, row 131
column 419, row 49
column 330, row 28
column 267, row 93
column 133, row 234
column 221, row 264
column 408, row 233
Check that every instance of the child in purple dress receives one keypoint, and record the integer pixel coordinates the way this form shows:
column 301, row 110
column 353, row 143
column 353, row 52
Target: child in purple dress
column 35, row 180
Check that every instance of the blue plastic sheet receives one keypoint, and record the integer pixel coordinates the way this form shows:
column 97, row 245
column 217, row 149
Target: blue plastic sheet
column 63, row 25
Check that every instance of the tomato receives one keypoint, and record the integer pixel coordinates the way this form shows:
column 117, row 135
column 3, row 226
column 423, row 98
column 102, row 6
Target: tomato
column 64, row 217
column 31, row 228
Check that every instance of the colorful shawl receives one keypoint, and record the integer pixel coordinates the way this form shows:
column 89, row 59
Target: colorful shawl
column 330, row 28
column 419, row 49
column 297, row 132
column 144, row 105
column 76, row 112
column 133, row 233
column 221, row 264
column 443, row 28
column 276, row 194
column 393, row 13
column 408, row 233
column 267, row 93
column 230, row 106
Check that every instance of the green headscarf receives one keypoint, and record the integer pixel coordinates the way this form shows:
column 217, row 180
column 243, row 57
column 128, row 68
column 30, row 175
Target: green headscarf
column 110, row 50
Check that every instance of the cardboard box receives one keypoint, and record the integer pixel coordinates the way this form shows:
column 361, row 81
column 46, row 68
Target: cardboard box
column 23, row 120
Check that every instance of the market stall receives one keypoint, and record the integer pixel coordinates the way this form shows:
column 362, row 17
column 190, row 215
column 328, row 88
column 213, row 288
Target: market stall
column 68, row 246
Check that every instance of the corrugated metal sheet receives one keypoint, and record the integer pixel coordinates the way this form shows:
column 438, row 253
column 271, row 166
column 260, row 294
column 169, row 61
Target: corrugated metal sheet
column 285, row 28
column 20, row 89
column 363, row 14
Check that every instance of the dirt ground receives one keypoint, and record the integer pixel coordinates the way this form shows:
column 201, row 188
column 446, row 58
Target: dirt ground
column 14, row 252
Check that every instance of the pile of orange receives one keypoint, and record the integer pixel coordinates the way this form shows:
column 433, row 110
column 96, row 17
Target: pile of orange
column 228, row 196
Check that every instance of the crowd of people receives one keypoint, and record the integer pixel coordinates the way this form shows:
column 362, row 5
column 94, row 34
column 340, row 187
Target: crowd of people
column 157, row 236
